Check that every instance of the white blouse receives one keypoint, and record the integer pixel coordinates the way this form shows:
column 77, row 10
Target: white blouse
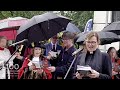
column 37, row 62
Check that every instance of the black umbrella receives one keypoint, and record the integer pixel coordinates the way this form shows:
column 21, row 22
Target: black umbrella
column 72, row 28
column 42, row 27
column 113, row 27
column 105, row 37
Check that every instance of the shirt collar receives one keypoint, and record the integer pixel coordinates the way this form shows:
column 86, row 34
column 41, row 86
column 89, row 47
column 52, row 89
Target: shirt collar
column 54, row 44
column 70, row 49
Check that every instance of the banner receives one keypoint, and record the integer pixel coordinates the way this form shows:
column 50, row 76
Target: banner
column 88, row 26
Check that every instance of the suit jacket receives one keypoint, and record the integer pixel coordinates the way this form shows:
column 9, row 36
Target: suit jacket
column 49, row 47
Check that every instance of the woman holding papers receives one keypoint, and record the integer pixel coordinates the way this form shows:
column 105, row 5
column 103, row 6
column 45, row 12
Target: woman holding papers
column 99, row 62
column 4, row 56
column 65, row 58
column 35, row 65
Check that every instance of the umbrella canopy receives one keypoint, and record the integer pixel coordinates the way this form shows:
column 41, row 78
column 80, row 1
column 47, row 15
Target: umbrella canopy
column 105, row 37
column 9, row 26
column 72, row 28
column 42, row 27
column 113, row 27
column 9, row 23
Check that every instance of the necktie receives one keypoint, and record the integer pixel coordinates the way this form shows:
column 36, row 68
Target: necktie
column 53, row 48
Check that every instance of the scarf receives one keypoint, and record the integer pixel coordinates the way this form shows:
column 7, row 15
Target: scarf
column 1, row 48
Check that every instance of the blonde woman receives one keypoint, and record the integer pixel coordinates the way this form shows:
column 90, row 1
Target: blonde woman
column 100, row 63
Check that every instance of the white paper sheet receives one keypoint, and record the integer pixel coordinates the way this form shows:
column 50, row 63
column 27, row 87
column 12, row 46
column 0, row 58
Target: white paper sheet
column 85, row 68
column 30, row 63
column 37, row 64
column 53, row 54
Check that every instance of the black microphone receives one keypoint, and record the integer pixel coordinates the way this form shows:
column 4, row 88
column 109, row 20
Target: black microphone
column 77, row 51
column 25, row 40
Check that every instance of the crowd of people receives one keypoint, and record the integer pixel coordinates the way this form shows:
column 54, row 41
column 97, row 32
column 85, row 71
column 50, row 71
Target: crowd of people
column 52, row 60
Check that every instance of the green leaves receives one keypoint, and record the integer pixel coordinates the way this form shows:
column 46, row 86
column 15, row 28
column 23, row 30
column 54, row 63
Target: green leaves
column 25, row 14
column 79, row 18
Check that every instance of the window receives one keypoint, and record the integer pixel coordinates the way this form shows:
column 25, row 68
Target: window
column 115, row 16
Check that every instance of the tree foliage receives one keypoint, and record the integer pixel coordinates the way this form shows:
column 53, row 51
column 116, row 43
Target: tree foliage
column 79, row 18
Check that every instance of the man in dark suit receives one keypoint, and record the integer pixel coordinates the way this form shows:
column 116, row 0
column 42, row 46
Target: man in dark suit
column 53, row 46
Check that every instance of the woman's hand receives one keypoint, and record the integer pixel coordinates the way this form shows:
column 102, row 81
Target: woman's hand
column 40, row 71
column 114, row 72
column 94, row 74
column 32, row 67
column 51, row 68
column 79, row 76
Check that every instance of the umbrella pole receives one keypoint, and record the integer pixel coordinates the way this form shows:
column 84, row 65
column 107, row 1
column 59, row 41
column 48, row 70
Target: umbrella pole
column 70, row 66
column 119, row 44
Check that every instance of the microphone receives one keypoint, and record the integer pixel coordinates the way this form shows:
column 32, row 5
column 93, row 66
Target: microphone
column 77, row 51
column 19, row 42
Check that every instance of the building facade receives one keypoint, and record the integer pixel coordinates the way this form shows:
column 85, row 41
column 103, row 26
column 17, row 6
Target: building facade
column 102, row 19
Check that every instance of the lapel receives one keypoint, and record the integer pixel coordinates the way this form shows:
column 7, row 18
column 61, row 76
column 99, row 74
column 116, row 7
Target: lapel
column 82, row 59
column 57, row 47
column 50, row 46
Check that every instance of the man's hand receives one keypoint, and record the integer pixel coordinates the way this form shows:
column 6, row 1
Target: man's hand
column 49, row 56
column 18, row 56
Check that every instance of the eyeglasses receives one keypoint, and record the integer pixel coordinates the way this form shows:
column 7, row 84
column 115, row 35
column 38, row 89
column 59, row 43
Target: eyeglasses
column 91, row 42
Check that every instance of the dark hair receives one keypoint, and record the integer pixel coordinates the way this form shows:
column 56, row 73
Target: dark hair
column 68, row 35
column 55, row 37
column 110, row 49
column 31, row 55
column 118, row 53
